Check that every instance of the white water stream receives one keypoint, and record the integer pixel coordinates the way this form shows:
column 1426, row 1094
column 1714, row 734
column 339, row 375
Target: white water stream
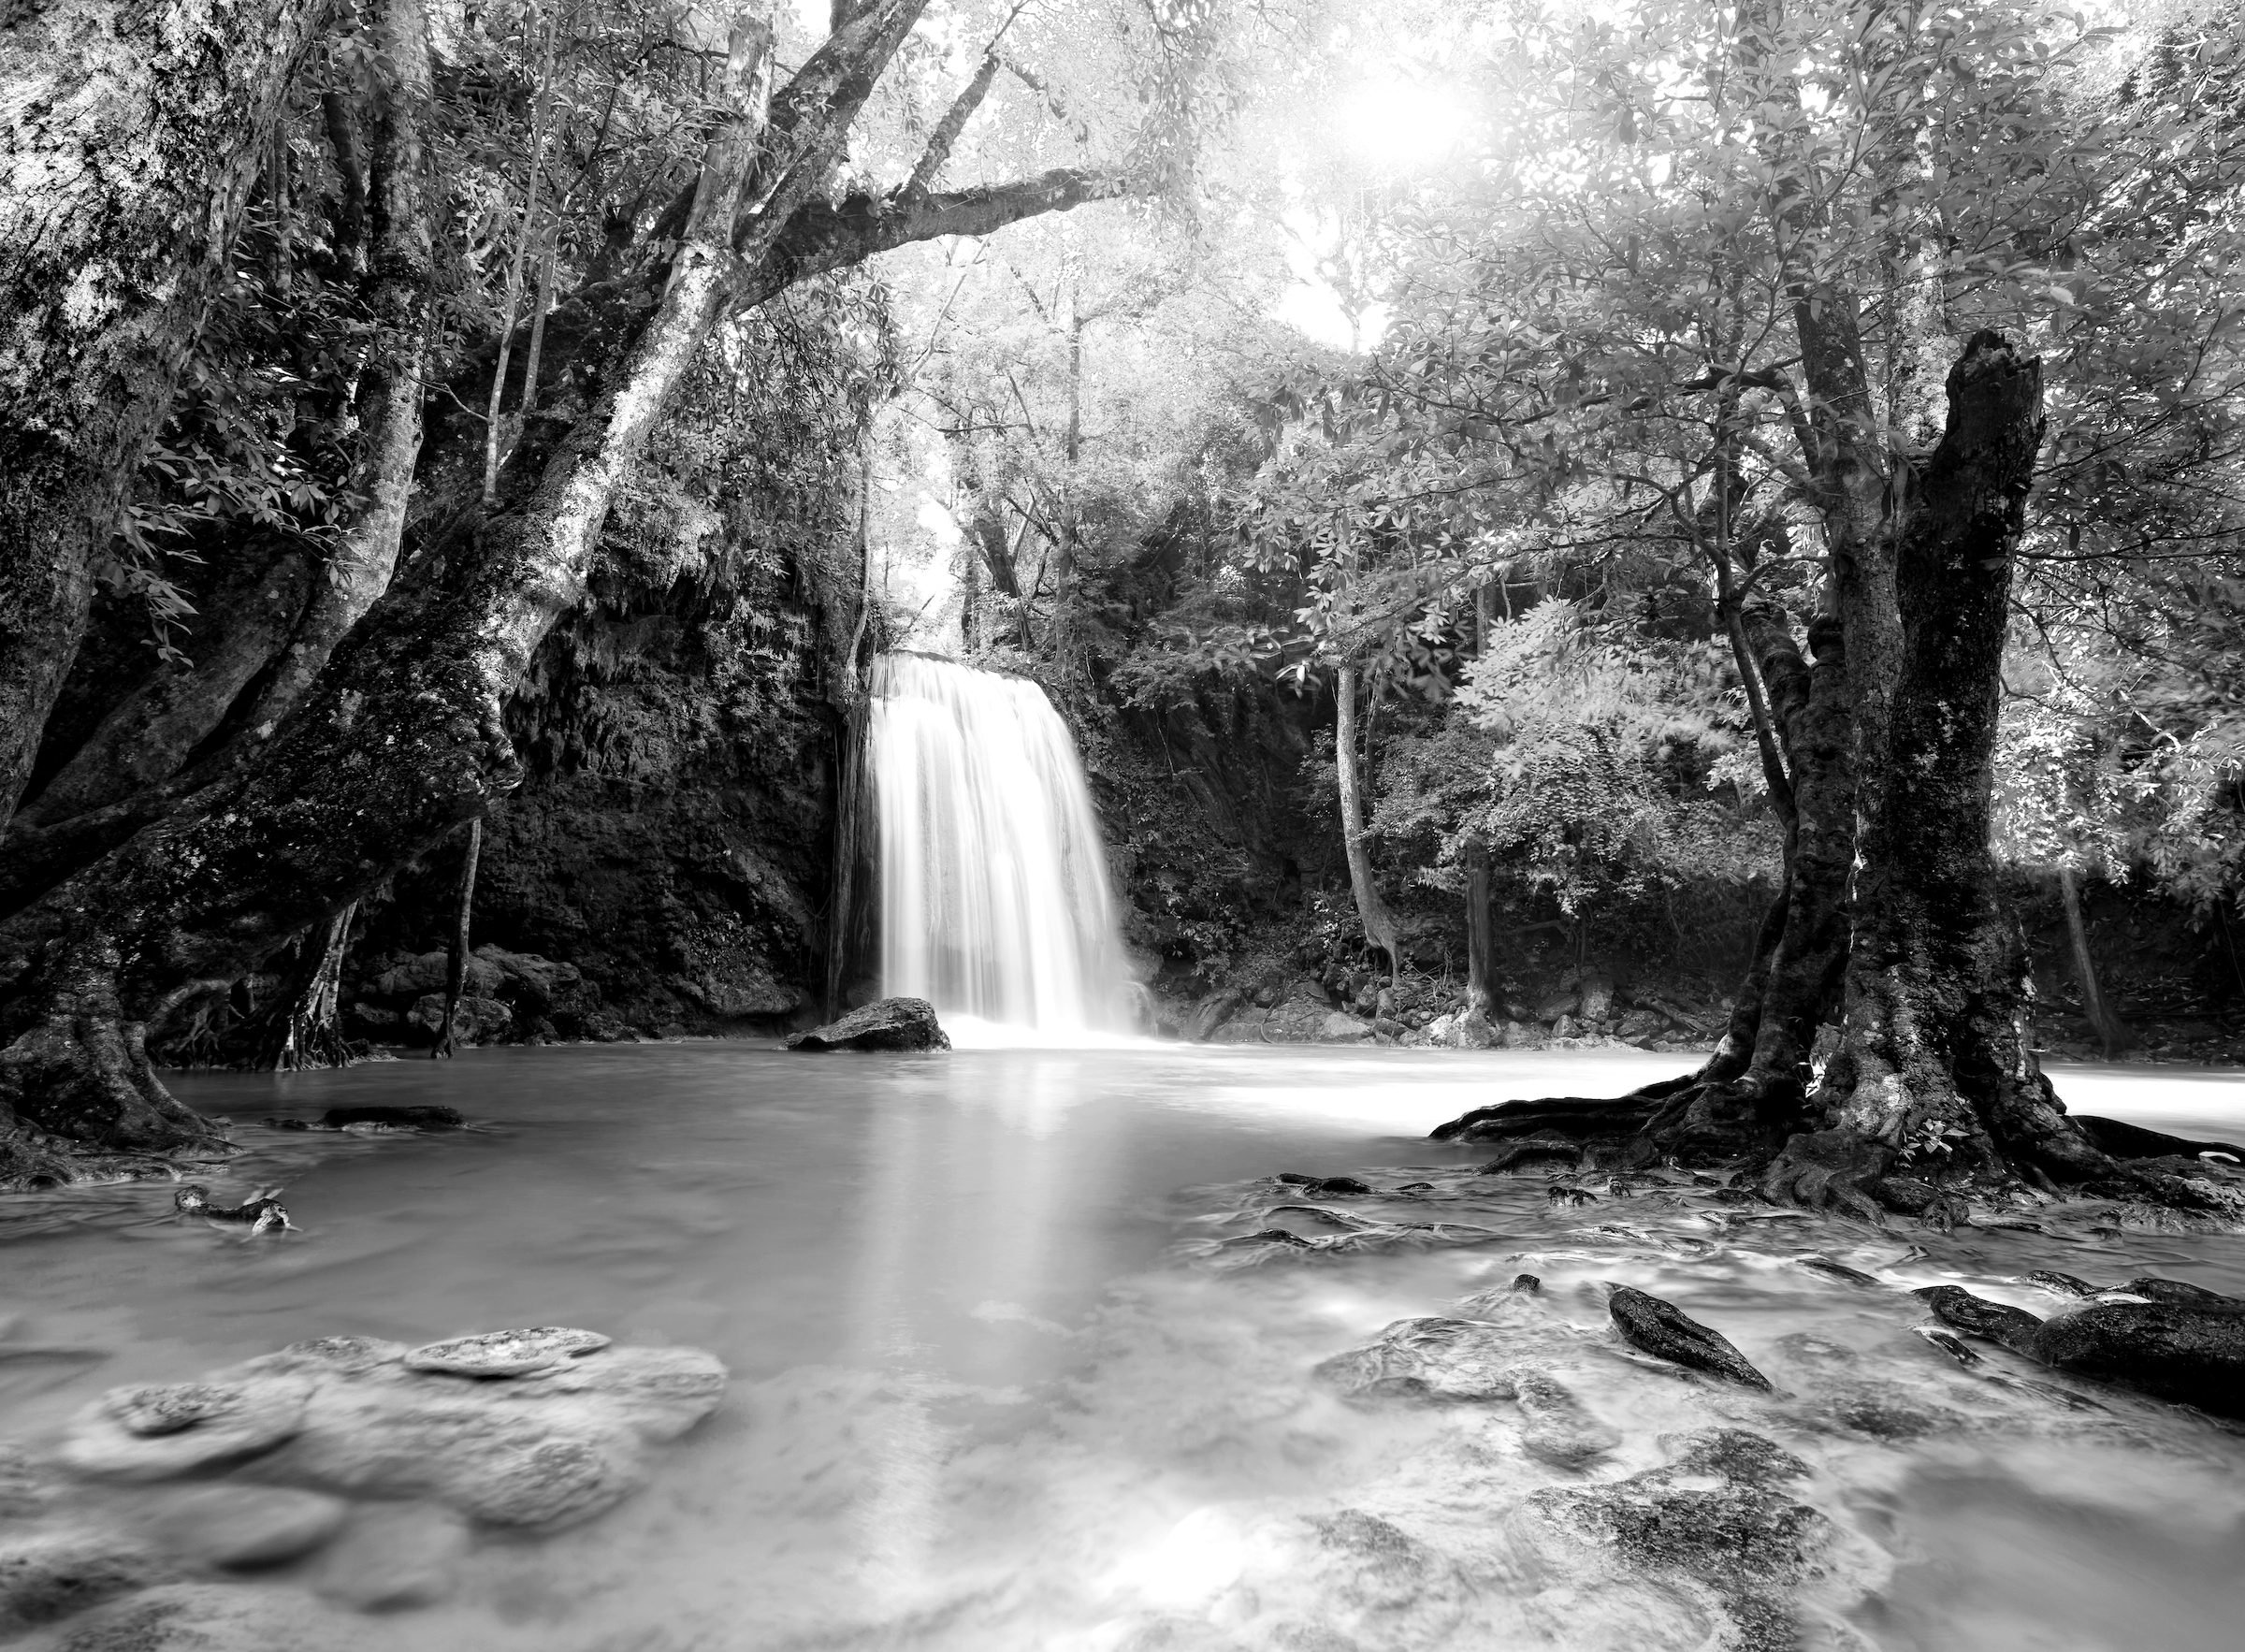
column 994, row 900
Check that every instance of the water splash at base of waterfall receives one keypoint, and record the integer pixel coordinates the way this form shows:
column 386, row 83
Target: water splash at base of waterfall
column 994, row 900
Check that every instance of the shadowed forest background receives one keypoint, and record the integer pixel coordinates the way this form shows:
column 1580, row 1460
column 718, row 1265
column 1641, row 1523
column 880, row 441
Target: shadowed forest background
column 1393, row 436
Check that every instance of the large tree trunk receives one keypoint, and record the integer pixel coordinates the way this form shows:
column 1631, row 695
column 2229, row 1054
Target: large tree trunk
column 1932, row 1089
column 1371, row 909
column 267, row 616
column 134, row 140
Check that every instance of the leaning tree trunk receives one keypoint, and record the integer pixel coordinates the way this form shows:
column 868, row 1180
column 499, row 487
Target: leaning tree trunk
column 458, row 955
column 1371, row 910
column 402, row 740
column 134, row 139
column 266, row 618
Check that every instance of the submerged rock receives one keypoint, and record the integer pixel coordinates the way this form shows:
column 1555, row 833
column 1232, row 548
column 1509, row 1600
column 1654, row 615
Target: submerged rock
column 1715, row 1520
column 157, row 1431
column 532, row 1428
column 209, row 1618
column 410, row 1118
column 1324, row 1186
column 242, row 1525
column 504, row 1354
column 51, row 1576
column 1665, row 1331
column 395, row 1555
column 1561, row 1430
column 889, row 1023
column 1433, row 1360
column 2192, row 1353
column 2186, row 1346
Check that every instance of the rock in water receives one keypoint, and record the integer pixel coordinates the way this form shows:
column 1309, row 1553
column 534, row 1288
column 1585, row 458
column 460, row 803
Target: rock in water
column 155, row 1432
column 1665, row 1331
column 2192, row 1353
column 891, row 1023
column 1437, row 1360
column 2007, row 1328
column 410, row 1118
column 504, row 1354
column 243, row 1526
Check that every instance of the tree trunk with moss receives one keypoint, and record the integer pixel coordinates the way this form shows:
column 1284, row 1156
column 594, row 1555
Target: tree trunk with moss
column 135, row 139
column 1933, row 1094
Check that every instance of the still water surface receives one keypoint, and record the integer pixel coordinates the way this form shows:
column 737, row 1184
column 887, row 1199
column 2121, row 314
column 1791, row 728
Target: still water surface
column 982, row 1399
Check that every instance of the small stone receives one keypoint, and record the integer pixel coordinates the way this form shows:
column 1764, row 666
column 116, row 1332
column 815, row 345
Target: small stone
column 243, row 1526
column 504, row 1354
column 1664, row 1330
column 343, row 1355
column 395, row 1557
column 155, row 1432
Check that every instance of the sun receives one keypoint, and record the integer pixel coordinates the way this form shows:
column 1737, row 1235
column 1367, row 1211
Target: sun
column 1403, row 124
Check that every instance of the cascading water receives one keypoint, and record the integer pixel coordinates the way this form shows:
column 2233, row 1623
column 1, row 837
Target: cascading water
column 994, row 886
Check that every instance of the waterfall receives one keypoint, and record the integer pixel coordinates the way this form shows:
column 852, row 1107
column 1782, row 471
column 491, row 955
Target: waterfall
column 993, row 886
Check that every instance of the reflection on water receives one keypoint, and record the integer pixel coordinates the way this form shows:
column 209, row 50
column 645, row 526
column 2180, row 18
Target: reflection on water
column 981, row 1403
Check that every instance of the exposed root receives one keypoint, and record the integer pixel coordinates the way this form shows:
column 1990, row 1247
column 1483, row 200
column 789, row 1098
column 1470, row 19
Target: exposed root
column 1695, row 1123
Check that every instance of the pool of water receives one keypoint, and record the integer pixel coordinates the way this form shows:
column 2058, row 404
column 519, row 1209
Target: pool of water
column 996, row 1387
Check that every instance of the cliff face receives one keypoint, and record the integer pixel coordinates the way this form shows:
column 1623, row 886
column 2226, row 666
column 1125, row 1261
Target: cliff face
column 673, row 842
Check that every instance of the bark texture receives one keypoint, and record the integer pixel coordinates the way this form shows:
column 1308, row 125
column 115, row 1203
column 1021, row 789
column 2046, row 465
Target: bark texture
column 134, row 139
column 1371, row 910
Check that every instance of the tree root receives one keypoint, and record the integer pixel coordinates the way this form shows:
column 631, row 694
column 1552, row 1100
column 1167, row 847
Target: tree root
column 1694, row 1123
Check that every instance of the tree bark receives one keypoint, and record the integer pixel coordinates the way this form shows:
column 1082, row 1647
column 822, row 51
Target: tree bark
column 456, row 963
column 402, row 741
column 1371, row 910
column 266, row 617
column 134, row 142
column 1481, row 936
column 2112, row 1033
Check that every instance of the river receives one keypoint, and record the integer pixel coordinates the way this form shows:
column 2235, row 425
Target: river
column 995, row 1388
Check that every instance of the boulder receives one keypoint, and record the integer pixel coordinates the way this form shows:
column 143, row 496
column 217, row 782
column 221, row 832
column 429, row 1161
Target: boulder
column 888, row 1024
column 412, row 977
column 477, row 1019
column 1559, row 1430
column 1554, row 1005
column 1596, row 996
column 1339, row 1027
column 1641, row 1026
column 2191, row 1353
